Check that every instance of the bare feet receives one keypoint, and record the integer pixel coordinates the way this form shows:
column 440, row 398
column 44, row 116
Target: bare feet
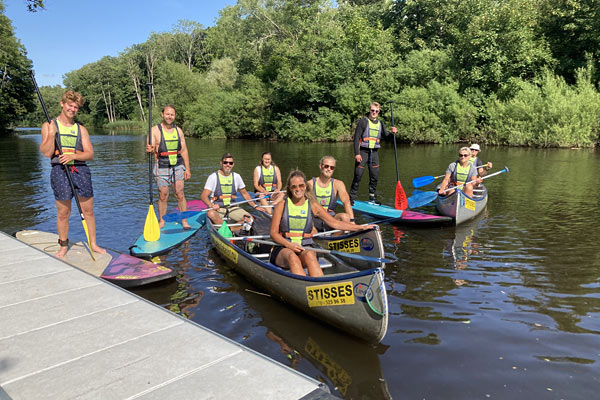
column 161, row 223
column 61, row 253
column 98, row 249
column 185, row 225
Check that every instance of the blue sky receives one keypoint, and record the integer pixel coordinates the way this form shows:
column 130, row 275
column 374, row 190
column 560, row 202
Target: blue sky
column 72, row 33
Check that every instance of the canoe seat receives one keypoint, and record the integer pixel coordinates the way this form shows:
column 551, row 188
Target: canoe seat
column 325, row 263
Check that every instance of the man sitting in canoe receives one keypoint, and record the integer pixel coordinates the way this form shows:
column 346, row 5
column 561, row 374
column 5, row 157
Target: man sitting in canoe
column 292, row 226
column 459, row 172
column 481, row 169
column 327, row 190
column 220, row 191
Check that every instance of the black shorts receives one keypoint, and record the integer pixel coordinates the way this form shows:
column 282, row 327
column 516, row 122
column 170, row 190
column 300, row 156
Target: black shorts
column 82, row 180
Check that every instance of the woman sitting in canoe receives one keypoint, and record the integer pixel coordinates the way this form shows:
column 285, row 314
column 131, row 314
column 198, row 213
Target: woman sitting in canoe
column 459, row 172
column 292, row 227
column 267, row 179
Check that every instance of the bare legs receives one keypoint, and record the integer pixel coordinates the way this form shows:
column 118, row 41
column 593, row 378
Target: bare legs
column 63, row 208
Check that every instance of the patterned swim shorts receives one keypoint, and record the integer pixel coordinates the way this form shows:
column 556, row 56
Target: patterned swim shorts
column 82, row 180
column 168, row 176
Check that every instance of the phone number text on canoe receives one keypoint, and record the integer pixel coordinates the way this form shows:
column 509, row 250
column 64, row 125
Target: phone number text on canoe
column 333, row 294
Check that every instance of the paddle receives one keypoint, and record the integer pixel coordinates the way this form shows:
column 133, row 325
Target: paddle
column 324, row 251
column 420, row 199
column 151, row 227
column 424, row 180
column 178, row 216
column 400, row 197
column 67, row 171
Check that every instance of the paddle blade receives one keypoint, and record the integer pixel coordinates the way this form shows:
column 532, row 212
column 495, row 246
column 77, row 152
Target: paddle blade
column 400, row 197
column 151, row 228
column 422, row 181
column 87, row 235
column 178, row 216
column 420, row 199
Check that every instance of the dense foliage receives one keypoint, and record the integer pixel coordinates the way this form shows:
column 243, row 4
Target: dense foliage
column 517, row 72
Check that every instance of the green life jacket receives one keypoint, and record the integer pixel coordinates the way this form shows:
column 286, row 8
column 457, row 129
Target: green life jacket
column 462, row 175
column 372, row 135
column 297, row 223
column 325, row 196
column 169, row 149
column 69, row 140
column 267, row 178
column 225, row 190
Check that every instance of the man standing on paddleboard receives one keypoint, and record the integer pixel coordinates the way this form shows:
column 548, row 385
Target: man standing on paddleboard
column 367, row 136
column 75, row 149
column 172, row 162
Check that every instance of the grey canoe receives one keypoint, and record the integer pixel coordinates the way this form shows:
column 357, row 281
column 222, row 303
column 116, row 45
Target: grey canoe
column 352, row 300
column 461, row 207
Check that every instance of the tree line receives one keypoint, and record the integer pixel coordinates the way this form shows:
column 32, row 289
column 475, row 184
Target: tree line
column 515, row 72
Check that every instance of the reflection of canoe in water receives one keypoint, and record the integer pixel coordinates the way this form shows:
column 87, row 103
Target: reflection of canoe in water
column 351, row 300
column 461, row 207
column 402, row 217
column 352, row 367
column 119, row 268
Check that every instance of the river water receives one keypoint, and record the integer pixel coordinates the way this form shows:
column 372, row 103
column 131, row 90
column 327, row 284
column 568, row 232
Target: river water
column 506, row 306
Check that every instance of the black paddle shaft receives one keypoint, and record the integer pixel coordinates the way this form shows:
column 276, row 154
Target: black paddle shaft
column 57, row 144
column 395, row 151
column 150, row 140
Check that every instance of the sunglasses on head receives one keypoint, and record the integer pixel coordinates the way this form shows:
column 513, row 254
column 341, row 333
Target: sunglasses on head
column 325, row 166
column 463, row 155
column 300, row 186
column 227, row 162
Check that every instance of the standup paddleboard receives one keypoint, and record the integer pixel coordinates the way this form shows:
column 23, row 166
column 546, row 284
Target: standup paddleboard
column 403, row 217
column 116, row 267
column 171, row 235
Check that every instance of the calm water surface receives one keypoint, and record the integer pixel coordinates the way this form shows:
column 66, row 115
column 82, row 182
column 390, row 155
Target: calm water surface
column 506, row 307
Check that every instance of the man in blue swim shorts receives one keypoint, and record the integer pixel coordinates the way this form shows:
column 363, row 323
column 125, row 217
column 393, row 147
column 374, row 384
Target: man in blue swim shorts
column 76, row 149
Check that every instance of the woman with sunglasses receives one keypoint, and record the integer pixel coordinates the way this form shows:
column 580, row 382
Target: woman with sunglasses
column 327, row 191
column 459, row 172
column 267, row 179
column 292, row 227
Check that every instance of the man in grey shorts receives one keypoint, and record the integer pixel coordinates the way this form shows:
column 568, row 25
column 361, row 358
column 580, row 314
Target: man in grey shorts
column 172, row 162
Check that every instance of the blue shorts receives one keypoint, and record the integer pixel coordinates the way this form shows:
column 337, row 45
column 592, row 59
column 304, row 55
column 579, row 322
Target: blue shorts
column 82, row 180
column 168, row 176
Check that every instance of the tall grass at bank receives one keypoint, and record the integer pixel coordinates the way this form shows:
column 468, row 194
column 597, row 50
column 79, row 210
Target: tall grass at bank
column 547, row 113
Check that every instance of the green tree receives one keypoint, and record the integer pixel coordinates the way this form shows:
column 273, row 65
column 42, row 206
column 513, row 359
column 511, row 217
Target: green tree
column 16, row 86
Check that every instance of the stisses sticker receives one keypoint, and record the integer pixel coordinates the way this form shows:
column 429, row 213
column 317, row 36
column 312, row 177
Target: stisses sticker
column 333, row 294
column 469, row 204
column 346, row 245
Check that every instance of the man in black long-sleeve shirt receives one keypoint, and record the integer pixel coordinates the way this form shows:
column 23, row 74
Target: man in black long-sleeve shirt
column 367, row 136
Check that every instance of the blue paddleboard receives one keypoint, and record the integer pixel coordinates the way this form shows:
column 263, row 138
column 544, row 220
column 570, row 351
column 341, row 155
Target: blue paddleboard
column 404, row 217
column 171, row 235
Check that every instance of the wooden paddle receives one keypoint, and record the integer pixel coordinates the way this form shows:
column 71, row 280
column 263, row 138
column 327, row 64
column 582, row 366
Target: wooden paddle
column 400, row 201
column 420, row 199
column 324, row 251
column 67, row 171
column 151, row 227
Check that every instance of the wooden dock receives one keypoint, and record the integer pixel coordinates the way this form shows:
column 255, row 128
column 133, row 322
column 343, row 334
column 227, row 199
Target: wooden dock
column 65, row 334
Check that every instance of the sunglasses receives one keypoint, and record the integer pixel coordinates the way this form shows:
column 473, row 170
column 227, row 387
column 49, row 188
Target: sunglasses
column 227, row 162
column 375, row 111
column 463, row 155
column 325, row 166
column 300, row 186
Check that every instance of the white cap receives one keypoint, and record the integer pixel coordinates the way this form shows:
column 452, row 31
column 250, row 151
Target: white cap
column 475, row 146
